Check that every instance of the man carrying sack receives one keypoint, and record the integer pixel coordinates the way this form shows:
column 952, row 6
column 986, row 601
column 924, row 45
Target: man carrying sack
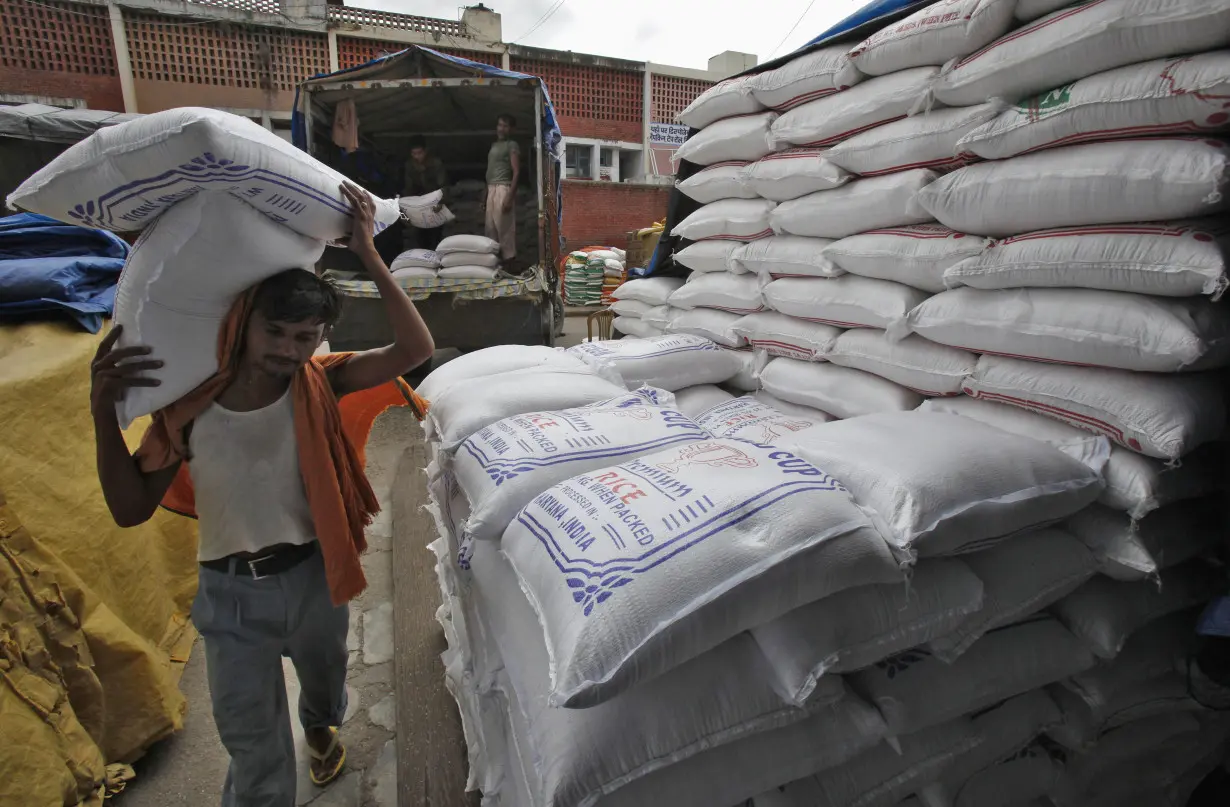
column 425, row 173
column 267, row 453
column 499, row 203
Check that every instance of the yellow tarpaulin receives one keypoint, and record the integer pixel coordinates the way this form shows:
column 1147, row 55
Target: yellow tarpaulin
column 93, row 618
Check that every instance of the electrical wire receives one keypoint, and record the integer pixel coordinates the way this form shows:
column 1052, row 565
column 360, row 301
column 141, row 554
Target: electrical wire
column 541, row 21
column 793, row 28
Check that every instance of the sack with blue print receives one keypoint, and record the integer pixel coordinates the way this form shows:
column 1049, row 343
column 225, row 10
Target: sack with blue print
column 503, row 467
column 638, row 567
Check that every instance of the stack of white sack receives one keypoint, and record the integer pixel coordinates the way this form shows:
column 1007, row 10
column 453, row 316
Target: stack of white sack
column 223, row 204
column 474, row 257
column 641, row 306
column 1089, row 240
column 599, row 619
column 415, row 263
column 1080, row 266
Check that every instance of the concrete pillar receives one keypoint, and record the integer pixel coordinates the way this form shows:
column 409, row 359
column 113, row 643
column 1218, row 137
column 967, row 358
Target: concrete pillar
column 123, row 61
column 335, row 63
column 595, row 162
column 646, row 119
column 506, row 60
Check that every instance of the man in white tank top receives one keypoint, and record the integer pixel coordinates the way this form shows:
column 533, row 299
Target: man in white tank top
column 263, row 589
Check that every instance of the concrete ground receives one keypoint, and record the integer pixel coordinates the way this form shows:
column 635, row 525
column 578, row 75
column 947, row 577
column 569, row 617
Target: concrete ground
column 189, row 768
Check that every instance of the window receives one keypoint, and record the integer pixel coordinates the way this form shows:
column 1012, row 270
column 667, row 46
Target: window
column 606, row 158
column 578, row 160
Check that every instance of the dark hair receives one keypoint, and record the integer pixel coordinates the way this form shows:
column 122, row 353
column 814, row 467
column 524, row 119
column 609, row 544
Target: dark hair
column 509, row 119
column 297, row 295
column 417, row 142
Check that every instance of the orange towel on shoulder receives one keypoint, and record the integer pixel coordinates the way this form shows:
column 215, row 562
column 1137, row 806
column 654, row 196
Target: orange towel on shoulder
column 331, row 435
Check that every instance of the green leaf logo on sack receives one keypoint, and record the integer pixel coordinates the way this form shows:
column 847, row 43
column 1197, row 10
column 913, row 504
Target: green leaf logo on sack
column 1047, row 103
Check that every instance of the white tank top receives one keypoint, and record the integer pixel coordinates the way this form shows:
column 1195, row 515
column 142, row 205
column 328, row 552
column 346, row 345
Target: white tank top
column 245, row 474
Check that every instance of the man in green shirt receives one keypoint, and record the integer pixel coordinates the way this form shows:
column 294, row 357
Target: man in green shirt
column 503, row 172
column 424, row 174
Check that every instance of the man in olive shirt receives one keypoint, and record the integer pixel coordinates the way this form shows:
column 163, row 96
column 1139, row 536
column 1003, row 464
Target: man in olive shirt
column 503, row 172
column 424, row 174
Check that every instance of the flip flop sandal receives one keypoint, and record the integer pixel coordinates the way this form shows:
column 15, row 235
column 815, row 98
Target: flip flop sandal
column 334, row 744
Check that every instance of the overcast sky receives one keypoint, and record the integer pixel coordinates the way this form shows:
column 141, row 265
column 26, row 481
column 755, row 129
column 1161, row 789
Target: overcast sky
column 675, row 32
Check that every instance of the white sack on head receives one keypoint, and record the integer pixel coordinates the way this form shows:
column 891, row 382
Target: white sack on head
column 179, row 284
column 124, row 177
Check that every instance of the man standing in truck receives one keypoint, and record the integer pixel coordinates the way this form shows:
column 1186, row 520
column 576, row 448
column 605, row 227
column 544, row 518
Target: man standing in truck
column 503, row 173
column 425, row 173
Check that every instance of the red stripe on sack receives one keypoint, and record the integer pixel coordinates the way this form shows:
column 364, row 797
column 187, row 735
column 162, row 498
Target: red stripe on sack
column 945, row 162
column 1038, row 26
column 772, row 343
column 799, row 100
column 1038, row 359
column 1128, row 132
column 837, row 138
column 1100, row 426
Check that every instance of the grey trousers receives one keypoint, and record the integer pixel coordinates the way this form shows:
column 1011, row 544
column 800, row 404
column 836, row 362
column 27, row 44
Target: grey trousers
column 248, row 626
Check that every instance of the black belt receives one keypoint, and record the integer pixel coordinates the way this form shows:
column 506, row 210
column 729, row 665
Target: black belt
column 267, row 565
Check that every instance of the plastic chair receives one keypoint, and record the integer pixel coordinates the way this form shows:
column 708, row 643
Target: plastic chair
column 603, row 320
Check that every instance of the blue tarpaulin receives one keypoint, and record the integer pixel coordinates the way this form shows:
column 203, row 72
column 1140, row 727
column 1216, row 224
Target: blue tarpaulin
column 47, row 267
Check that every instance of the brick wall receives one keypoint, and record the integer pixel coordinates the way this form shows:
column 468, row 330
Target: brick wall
column 603, row 213
column 59, row 49
column 591, row 101
column 353, row 51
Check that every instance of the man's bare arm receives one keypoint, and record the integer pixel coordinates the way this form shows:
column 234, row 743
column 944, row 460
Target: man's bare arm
column 412, row 343
column 132, row 496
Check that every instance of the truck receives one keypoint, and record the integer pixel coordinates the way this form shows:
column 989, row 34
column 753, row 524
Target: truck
column 453, row 104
